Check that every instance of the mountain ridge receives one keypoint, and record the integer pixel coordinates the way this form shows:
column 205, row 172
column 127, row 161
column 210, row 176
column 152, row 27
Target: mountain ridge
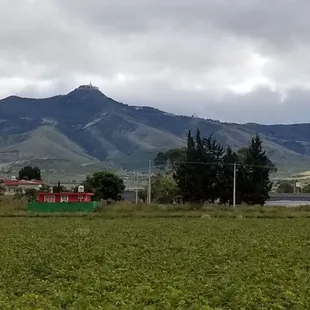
column 115, row 134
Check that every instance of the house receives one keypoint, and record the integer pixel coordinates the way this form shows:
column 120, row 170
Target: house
column 11, row 185
column 64, row 197
column 63, row 202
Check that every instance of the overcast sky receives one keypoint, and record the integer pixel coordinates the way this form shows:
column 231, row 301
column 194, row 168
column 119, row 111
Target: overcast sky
column 232, row 60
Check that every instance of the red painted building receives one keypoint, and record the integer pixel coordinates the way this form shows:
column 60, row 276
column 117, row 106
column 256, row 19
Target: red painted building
column 65, row 197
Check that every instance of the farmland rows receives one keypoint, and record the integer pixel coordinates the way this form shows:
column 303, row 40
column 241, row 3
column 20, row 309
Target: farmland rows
column 97, row 263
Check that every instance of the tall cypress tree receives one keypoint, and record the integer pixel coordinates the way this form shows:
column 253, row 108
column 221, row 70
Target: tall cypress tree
column 201, row 169
column 257, row 184
column 185, row 174
column 214, row 160
column 198, row 178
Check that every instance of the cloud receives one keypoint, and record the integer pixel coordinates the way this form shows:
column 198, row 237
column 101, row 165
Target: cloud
column 241, row 61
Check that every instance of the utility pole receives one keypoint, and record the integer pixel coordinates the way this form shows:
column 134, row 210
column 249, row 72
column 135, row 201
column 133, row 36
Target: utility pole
column 136, row 186
column 234, row 186
column 149, row 199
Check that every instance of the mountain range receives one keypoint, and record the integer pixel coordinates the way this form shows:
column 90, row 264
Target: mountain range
column 85, row 129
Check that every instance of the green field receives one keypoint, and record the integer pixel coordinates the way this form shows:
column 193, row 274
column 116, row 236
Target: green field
column 98, row 263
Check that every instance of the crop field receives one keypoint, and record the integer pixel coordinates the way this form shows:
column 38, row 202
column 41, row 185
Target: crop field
column 98, row 263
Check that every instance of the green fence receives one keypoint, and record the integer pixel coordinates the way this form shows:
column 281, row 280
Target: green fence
column 62, row 207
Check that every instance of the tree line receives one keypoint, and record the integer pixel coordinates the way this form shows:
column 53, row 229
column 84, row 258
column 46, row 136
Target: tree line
column 203, row 171
column 104, row 185
column 289, row 186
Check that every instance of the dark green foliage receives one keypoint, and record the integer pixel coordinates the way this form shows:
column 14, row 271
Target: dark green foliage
column 18, row 194
column 170, row 159
column 105, row 185
column 285, row 187
column 212, row 172
column 242, row 154
column 142, row 194
column 198, row 178
column 29, row 173
column 186, row 174
column 45, row 188
column 163, row 190
column 31, row 194
column 257, row 184
column 2, row 190
column 59, row 188
column 206, row 173
column 306, row 189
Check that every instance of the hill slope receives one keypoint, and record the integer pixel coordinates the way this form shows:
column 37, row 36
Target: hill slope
column 85, row 127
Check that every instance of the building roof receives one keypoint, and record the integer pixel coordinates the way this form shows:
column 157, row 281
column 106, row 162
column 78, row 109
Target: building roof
column 9, row 182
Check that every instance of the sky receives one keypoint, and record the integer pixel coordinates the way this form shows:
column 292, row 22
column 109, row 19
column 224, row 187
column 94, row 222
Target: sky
column 230, row 60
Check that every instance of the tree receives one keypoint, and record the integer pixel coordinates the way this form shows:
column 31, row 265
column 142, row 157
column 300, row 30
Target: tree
column 168, row 160
column 242, row 154
column 163, row 190
column 142, row 194
column 213, row 159
column 105, row 185
column 45, row 188
column 2, row 189
column 285, row 187
column 29, row 173
column 31, row 194
column 257, row 184
column 306, row 189
column 186, row 174
column 198, row 177
column 166, row 190
column 18, row 193
column 59, row 188
column 206, row 172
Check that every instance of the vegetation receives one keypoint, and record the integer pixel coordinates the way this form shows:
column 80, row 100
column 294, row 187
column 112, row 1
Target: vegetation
column 60, row 188
column 170, row 159
column 306, row 189
column 75, row 263
column 164, row 190
column 285, row 187
column 105, row 185
column 19, row 194
column 31, row 194
column 203, row 171
column 162, row 130
column 29, row 173
column 2, row 189
column 12, row 207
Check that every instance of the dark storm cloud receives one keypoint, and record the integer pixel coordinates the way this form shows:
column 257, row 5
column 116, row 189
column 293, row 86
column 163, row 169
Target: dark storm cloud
column 224, row 59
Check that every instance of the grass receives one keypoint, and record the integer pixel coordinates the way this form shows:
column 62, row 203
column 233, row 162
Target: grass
column 125, row 263
column 10, row 207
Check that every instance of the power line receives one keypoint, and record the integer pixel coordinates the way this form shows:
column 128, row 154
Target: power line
column 174, row 163
column 219, row 164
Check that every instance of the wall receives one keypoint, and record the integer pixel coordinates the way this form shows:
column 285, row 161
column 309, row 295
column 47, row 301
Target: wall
column 72, row 197
column 10, row 190
column 62, row 207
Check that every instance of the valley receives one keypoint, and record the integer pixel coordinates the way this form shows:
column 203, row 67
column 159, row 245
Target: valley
column 83, row 131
